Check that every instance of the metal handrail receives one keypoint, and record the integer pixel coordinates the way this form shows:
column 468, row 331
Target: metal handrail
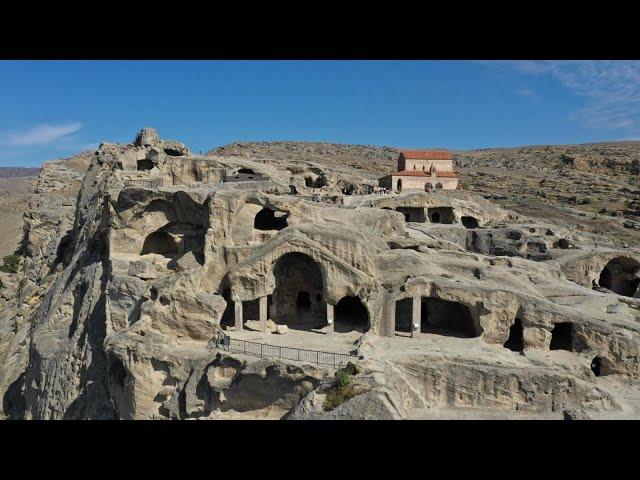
column 290, row 353
column 143, row 182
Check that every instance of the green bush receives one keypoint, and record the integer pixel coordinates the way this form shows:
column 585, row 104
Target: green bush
column 342, row 390
column 11, row 264
column 343, row 378
column 587, row 200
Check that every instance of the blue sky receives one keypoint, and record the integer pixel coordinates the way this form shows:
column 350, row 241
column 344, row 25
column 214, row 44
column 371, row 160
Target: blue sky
column 52, row 109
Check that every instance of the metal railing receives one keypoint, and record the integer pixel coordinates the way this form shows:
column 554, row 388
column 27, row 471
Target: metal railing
column 289, row 353
column 143, row 182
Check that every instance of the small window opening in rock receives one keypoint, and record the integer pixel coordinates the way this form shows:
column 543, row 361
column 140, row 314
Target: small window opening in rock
column 173, row 152
column 154, row 293
column 247, row 171
column 318, row 298
column 469, row 222
column 515, row 341
column 596, row 366
column 164, row 301
column 267, row 219
column 303, row 302
column 561, row 336
column 438, row 186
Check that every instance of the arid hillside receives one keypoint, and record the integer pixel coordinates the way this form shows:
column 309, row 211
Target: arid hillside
column 16, row 188
column 18, row 172
column 14, row 199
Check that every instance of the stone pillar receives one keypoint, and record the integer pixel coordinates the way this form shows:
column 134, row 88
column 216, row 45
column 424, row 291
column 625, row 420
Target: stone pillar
column 415, row 317
column 330, row 319
column 238, row 315
column 263, row 314
column 389, row 319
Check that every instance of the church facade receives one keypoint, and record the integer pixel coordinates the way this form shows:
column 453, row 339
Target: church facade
column 422, row 170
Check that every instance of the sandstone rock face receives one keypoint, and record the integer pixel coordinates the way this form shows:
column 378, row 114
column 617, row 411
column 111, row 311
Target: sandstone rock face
column 444, row 299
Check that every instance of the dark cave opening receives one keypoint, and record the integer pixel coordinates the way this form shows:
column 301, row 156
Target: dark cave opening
column 515, row 342
column 160, row 242
column 596, row 366
column 350, row 314
column 620, row 275
column 145, row 165
column 298, row 279
column 562, row 336
column 267, row 219
column 303, row 302
column 469, row 222
column 448, row 318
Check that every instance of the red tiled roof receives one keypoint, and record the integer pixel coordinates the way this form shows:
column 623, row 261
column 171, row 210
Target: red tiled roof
column 427, row 154
column 420, row 173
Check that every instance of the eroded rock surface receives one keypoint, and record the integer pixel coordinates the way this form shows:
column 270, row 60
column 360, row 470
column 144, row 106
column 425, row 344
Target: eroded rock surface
column 446, row 301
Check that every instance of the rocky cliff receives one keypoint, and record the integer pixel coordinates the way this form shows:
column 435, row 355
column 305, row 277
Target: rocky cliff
column 443, row 302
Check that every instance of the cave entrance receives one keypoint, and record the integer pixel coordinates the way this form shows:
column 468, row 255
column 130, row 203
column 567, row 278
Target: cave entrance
column 621, row 276
column 515, row 342
column 250, row 311
column 298, row 280
column 412, row 214
column 596, row 366
column 267, row 219
column 228, row 320
column 350, row 314
column 145, row 165
column 404, row 316
column 441, row 214
column 469, row 222
column 561, row 336
column 161, row 243
column 448, row 318
column 317, row 182
column 246, row 171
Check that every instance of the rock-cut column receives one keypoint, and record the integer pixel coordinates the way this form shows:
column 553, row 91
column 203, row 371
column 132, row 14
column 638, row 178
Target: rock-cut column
column 416, row 316
column 238, row 315
column 389, row 319
column 263, row 314
column 330, row 319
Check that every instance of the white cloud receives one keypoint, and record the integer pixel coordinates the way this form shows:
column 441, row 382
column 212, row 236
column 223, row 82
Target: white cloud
column 611, row 88
column 41, row 134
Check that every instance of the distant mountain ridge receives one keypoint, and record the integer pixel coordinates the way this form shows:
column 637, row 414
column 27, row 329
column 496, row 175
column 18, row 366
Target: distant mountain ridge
column 15, row 172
